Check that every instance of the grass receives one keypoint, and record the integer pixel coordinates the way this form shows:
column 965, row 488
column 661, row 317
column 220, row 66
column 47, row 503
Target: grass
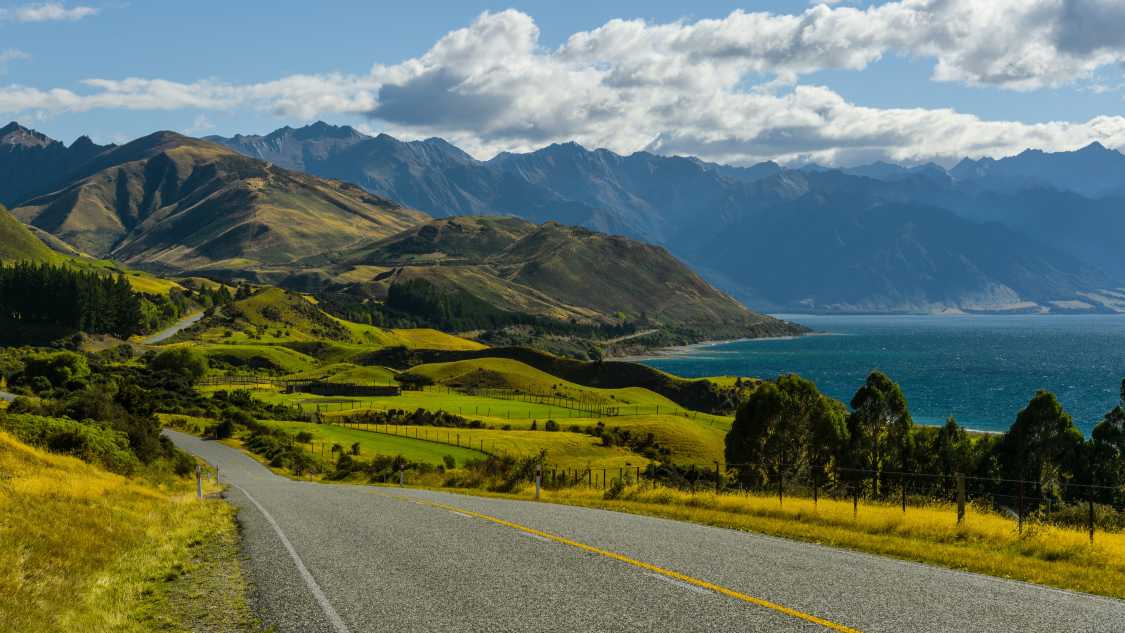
column 268, row 357
column 564, row 449
column 86, row 550
column 986, row 543
column 377, row 443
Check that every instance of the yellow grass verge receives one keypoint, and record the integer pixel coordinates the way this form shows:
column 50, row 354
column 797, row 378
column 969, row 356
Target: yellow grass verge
column 82, row 549
column 986, row 543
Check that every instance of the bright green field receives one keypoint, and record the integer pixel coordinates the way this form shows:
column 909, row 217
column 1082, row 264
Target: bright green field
column 372, row 444
column 564, row 450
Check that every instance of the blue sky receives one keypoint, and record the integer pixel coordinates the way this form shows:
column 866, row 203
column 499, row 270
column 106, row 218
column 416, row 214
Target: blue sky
column 781, row 80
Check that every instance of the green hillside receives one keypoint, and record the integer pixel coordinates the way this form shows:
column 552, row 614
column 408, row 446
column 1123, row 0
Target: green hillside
column 170, row 202
column 18, row 243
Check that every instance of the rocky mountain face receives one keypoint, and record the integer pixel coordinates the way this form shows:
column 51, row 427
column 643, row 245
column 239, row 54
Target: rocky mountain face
column 1051, row 219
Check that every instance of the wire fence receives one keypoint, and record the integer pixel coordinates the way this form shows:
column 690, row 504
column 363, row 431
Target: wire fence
column 569, row 406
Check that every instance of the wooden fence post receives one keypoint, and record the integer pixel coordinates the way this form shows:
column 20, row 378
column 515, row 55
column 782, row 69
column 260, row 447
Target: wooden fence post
column 960, row 499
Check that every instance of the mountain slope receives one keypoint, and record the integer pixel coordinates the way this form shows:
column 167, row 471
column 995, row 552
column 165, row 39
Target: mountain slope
column 18, row 243
column 31, row 162
column 552, row 271
column 170, row 202
column 1061, row 243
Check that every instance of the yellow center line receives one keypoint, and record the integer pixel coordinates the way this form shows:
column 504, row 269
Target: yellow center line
column 668, row 573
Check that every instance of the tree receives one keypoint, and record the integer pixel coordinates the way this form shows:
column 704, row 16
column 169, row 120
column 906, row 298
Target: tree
column 784, row 426
column 1107, row 445
column 185, row 361
column 1042, row 443
column 880, row 426
column 355, row 448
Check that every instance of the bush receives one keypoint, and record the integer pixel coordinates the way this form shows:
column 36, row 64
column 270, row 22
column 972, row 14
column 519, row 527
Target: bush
column 185, row 361
column 449, row 461
column 223, row 430
column 615, row 489
column 551, row 426
column 84, row 440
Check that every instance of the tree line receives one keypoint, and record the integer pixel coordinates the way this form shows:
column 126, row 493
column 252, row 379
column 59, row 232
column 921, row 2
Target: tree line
column 786, row 429
column 60, row 297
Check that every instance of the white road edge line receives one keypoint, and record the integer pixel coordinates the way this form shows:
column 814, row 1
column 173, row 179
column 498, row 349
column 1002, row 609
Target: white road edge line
column 325, row 606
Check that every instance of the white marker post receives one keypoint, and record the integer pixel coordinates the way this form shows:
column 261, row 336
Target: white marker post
column 538, row 479
column 198, row 481
column 401, row 477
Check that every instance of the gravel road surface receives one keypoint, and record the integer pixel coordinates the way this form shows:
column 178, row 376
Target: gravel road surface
column 345, row 558
column 174, row 329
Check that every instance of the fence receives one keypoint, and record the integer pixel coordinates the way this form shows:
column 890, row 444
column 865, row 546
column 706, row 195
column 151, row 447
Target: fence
column 438, row 435
column 301, row 385
column 589, row 407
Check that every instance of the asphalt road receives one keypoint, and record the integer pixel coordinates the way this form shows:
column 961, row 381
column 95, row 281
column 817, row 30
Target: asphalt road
column 345, row 558
column 174, row 329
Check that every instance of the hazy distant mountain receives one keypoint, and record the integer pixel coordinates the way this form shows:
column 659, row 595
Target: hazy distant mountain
column 1090, row 171
column 31, row 162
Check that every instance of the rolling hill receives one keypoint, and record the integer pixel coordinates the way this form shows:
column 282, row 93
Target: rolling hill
column 552, row 271
column 171, row 203
column 18, row 243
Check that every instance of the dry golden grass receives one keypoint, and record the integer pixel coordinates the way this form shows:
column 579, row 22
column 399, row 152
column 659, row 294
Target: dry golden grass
column 82, row 549
column 986, row 543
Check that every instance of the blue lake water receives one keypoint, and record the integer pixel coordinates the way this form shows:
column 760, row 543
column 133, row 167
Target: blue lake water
column 980, row 369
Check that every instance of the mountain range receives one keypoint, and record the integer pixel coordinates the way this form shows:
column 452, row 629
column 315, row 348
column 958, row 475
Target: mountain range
column 177, row 205
column 1036, row 232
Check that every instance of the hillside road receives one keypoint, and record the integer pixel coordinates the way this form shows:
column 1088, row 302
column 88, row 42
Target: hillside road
column 350, row 559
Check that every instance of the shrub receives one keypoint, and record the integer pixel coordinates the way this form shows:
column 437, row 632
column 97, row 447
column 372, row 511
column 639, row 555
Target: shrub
column 449, row 461
column 222, row 430
column 84, row 440
column 551, row 426
column 185, row 361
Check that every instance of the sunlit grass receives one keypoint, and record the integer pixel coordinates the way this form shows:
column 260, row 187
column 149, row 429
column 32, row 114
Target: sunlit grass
column 986, row 542
column 86, row 550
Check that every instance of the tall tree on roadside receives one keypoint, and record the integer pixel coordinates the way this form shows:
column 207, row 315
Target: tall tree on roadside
column 880, row 426
column 1107, row 447
column 1043, row 443
column 784, row 427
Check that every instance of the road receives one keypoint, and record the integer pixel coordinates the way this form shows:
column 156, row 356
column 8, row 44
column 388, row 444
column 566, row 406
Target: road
column 4, row 395
column 350, row 559
column 174, row 329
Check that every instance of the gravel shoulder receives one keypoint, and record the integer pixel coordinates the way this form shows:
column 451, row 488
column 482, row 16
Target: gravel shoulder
column 383, row 561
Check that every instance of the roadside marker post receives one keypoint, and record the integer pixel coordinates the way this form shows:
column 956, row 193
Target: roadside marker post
column 401, row 477
column 538, row 479
column 960, row 499
column 198, row 481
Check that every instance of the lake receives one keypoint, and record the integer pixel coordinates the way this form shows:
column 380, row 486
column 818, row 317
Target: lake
column 980, row 369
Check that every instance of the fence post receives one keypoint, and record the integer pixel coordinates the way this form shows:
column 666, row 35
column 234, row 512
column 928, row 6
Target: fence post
column 1090, row 500
column 538, row 479
column 960, row 499
column 198, row 481
column 902, row 482
column 1019, row 506
column 815, row 484
column 780, row 486
column 401, row 476
column 717, row 478
column 855, row 502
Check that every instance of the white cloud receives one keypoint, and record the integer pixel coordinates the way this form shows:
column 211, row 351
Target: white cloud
column 727, row 89
column 46, row 12
column 200, row 125
column 11, row 55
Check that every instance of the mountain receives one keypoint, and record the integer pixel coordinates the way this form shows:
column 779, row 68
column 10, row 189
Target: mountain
column 169, row 202
column 549, row 270
column 31, row 162
column 1040, row 211
column 1092, row 171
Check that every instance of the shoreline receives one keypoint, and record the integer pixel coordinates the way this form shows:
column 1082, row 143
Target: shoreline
column 684, row 350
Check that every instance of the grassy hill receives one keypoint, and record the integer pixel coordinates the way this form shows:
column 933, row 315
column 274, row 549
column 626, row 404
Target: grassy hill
column 288, row 319
column 18, row 243
column 169, row 202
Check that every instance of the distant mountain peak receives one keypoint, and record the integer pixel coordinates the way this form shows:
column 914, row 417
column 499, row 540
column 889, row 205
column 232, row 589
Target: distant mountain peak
column 16, row 134
column 1096, row 148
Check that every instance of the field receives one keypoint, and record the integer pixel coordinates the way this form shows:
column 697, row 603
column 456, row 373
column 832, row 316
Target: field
column 325, row 435
column 986, row 543
column 86, row 550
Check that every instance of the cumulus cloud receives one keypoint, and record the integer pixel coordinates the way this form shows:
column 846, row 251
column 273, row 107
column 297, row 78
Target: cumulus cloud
column 725, row 89
column 46, row 12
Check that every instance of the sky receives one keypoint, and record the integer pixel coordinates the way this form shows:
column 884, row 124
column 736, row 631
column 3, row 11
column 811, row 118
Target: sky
column 838, row 83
